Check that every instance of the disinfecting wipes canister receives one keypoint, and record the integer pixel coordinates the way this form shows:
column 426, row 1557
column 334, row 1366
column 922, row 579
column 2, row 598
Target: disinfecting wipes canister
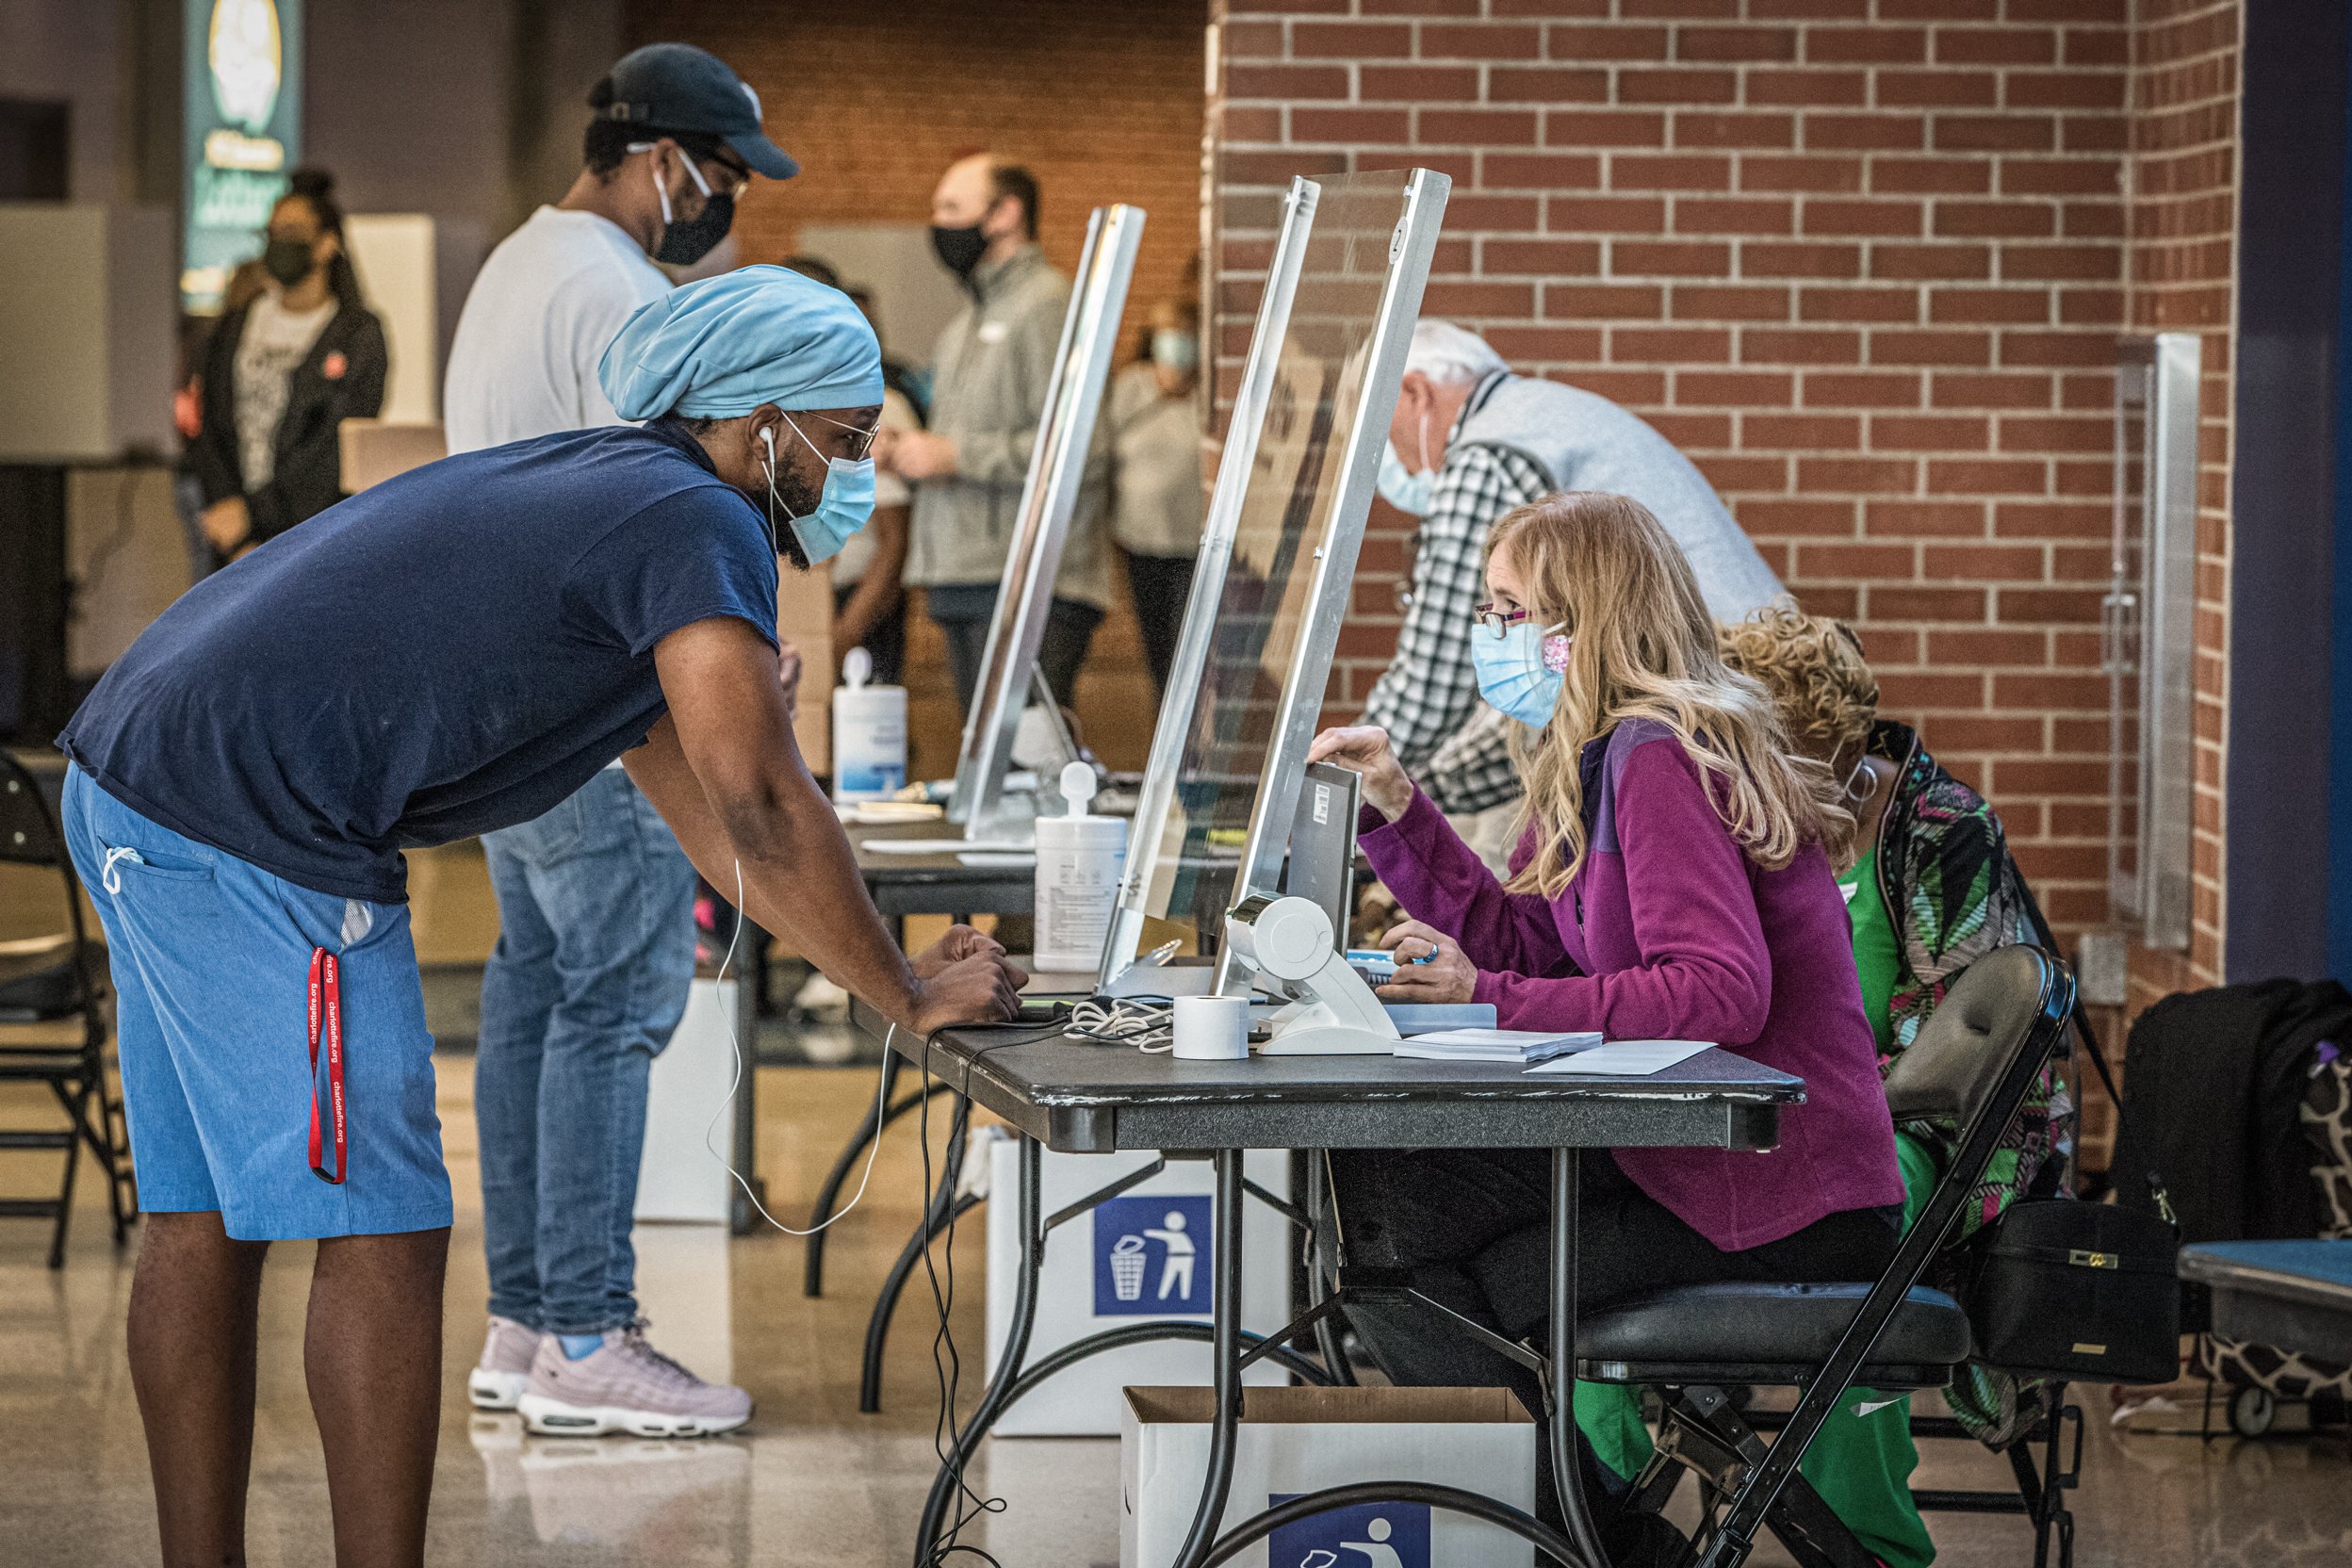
column 869, row 734
column 1079, row 861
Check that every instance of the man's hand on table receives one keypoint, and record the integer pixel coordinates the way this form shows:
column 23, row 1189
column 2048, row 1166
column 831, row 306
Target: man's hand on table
column 1431, row 966
column 983, row 988
column 960, row 943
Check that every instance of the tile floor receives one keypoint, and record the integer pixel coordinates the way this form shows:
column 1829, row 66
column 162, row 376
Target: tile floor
column 812, row 1481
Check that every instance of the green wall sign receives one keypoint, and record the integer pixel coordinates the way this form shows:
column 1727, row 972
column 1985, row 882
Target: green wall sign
column 243, row 134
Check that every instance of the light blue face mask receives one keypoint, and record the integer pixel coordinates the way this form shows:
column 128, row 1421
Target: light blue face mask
column 843, row 508
column 1174, row 349
column 1520, row 672
column 1402, row 488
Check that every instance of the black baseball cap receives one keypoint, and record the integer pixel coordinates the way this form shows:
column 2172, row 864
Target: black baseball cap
column 677, row 87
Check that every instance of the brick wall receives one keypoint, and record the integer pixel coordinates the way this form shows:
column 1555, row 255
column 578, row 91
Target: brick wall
column 2184, row 117
column 1864, row 260
column 1102, row 101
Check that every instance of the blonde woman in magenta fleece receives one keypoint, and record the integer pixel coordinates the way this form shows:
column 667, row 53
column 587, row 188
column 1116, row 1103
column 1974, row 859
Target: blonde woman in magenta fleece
column 1604, row 571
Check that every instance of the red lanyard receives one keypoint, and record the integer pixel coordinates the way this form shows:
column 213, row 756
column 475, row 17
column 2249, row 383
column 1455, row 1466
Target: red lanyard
column 326, row 1017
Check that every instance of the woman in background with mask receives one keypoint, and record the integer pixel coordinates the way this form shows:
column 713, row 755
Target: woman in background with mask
column 1156, row 501
column 1933, row 889
column 1672, row 880
column 281, row 375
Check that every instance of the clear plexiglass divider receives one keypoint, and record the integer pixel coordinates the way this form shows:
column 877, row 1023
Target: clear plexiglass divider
column 1049, row 500
column 1276, row 562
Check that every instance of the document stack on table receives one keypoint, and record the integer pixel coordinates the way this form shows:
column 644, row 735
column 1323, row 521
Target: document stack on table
column 1518, row 1047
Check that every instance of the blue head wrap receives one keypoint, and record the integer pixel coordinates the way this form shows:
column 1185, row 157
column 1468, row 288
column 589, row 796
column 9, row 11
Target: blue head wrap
column 721, row 346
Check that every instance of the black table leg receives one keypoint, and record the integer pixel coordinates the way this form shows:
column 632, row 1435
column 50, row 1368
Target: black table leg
column 1225, row 1349
column 1567, row 1472
column 945, row 1485
column 1328, row 1338
column 869, row 1128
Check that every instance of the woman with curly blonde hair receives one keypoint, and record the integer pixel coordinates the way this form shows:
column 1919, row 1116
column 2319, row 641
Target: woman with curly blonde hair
column 1673, row 880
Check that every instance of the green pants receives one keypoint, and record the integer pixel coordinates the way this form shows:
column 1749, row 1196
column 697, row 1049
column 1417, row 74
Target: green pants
column 1861, row 1464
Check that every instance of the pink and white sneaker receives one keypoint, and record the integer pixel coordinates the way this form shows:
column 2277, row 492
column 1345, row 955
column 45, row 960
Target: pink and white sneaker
column 625, row 1385
column 498, row 1381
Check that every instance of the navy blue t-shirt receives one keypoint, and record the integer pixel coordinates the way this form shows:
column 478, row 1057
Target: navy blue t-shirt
column 452, row 651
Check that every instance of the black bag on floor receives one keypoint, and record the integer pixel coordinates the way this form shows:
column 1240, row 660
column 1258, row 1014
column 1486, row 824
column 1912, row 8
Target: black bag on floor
column 2085, row 1292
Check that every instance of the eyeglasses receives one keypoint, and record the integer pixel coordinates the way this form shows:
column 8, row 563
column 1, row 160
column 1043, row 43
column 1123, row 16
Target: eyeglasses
column 863, row 445
column 1497, row 621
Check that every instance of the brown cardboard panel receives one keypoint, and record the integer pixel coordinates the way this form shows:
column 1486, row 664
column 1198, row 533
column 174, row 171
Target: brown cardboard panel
column 804, row 618
column 374, row 450
column 1294, row 1407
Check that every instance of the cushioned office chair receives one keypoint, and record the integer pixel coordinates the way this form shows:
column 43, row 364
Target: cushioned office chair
column 52, row 980
column 1974, row 1061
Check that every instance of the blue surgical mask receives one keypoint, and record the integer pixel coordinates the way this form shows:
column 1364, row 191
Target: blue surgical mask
column 843, row 508
column 1516, row 677
column 1404, row 489
column 1175, row 350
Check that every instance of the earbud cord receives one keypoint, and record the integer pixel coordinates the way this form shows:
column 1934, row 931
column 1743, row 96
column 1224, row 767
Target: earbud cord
column 735, row 1042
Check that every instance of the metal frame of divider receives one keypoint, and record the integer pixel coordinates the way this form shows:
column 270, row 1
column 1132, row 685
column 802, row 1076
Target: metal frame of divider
column 1049, row 500
column 1357, row 451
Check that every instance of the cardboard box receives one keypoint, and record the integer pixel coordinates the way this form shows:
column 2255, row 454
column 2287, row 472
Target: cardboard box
column 1300, row 1440
column 804, row 618
column 1109, row 1268
column 374, row 450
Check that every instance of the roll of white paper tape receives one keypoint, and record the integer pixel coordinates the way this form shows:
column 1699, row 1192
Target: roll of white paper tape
column 1213, row 1028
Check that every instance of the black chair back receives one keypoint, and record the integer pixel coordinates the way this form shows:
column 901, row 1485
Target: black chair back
column 29, row 836
column 1957, row 1063
column 1986, row 1045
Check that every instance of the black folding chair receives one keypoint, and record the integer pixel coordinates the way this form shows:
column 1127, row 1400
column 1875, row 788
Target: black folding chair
column 1974, row 1061
column 50, row 980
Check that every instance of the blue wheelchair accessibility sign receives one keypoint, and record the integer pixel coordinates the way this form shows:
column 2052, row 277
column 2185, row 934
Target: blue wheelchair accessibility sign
column 1372, row 1535
column 1153, row 1257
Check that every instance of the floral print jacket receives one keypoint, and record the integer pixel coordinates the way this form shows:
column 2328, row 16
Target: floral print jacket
column 1953, row 894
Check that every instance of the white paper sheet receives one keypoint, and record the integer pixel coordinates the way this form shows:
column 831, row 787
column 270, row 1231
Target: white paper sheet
column 1491, row 1045
column 1624, row 1059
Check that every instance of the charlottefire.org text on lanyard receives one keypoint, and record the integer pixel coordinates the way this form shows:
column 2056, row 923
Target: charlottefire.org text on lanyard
column 326, row 1024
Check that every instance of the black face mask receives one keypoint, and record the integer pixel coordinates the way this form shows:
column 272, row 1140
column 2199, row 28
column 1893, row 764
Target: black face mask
column 959, row 249
column 288, row 261
column 689, row 239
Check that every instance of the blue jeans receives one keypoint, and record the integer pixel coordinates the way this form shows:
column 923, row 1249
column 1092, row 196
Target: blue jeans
column 595, row 959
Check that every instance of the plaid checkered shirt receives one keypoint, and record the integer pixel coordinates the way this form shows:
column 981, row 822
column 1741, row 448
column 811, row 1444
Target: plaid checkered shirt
column 1430, row 692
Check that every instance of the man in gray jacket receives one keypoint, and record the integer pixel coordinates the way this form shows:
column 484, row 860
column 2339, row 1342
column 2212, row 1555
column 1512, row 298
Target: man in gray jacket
column 991, row 371
column 1470, row 442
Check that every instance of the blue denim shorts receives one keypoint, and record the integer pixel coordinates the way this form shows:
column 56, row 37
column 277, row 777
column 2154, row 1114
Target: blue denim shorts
column 211, row 960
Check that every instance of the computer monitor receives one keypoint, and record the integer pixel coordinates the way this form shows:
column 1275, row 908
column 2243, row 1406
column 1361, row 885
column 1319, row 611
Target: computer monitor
column 1323, row 845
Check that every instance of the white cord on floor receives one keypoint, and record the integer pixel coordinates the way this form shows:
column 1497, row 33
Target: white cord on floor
column 1147, row 1026
column 735, row 1044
